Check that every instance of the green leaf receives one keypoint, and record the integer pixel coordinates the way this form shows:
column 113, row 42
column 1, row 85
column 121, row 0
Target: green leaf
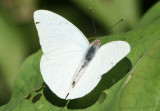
column 132, row 85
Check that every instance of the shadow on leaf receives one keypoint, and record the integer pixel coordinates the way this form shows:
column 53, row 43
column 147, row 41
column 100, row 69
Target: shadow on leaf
column 53, row 99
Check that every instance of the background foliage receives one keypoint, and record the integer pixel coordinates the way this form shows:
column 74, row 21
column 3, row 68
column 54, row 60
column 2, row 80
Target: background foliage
column 18, row 39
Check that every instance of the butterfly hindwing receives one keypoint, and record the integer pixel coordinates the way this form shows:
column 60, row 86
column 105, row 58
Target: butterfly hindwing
column 106, row 58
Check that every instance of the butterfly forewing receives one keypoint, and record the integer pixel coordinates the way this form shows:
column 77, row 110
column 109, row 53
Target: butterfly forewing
column 63, row 47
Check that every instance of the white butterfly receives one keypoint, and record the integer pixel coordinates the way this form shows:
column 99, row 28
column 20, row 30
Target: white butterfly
column 70, row 66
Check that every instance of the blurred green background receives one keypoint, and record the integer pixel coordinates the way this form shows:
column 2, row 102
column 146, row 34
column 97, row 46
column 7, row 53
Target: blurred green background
column 18, row 35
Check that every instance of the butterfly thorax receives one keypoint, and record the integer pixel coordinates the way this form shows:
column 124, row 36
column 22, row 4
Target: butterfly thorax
column 92, row 50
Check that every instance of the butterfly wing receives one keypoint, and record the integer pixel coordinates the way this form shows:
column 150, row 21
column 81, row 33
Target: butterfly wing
column 56, row 33
column 63, row 47
column 106, row 58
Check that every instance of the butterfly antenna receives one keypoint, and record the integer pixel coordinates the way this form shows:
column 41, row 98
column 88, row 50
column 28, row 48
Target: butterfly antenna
column 115, row 24
column 90, row 9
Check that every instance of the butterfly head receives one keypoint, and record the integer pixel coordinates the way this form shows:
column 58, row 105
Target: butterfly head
column 96, row 43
